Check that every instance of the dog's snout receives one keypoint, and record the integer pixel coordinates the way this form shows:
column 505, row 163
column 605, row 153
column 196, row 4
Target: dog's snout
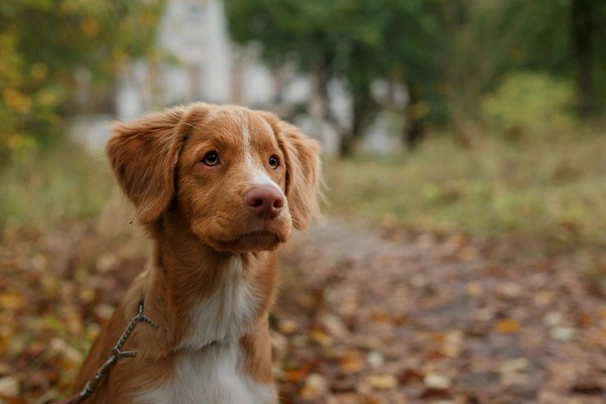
column 265, row 201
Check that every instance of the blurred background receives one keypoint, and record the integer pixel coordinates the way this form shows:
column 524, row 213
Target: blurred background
column 476, row 123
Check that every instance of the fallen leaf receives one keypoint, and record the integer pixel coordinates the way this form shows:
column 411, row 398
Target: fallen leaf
column 507, row 326
column 315, row 387
column 585, row 319
column 409, row 375
column 287, row 326
column 513, row 365
column 468, row 254
column 451, row 347
column 381, row 317
column 320, row 337
column 382, row 382
column 9, row 386
column 436, row 381
column 334, row 326
column 351, row 362
column 11, row 300
column 375, row 359
column 563, row 334
column 295, row 375
column 588, row 387
column 473, row 288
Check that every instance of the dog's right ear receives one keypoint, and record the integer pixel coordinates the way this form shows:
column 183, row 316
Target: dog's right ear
column 144, row 154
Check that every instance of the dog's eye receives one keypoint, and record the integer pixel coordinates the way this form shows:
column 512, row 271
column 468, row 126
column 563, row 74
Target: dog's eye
column 211, row 158
column 274, row 162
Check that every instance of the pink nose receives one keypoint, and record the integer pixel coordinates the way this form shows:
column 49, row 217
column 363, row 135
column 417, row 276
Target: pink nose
column 265, row 202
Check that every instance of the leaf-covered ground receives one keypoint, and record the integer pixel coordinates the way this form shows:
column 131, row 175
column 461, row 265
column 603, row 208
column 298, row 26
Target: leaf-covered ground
column 366, row 315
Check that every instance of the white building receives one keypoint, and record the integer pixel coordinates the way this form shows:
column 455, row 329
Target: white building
column 203, row 66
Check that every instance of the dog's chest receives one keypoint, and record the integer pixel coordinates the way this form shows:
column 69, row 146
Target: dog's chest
column 227, row 314
column 209, row 361
column 212, row 375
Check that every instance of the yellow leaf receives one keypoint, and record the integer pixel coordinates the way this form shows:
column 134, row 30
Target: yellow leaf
column 473, row 288
column 507, row 326
column 287, row 326
column 319, row 337
column 90, row 27
column 11, row 300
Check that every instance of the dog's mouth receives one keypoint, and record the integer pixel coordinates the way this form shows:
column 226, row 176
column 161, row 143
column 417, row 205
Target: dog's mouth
column 252, row 241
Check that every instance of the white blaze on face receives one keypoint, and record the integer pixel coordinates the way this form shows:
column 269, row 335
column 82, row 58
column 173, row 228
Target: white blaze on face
column 258, row 176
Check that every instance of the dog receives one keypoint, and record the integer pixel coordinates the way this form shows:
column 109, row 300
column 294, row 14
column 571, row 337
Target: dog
column 218, row 189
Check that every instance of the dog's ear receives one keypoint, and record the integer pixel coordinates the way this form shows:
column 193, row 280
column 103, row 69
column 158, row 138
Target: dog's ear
column 302, row 155
column 144, row 154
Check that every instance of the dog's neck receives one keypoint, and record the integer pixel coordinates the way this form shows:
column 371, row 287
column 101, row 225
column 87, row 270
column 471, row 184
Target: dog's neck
column 200, row 296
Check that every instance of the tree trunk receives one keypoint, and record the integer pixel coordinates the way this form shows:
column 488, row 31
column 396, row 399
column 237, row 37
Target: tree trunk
column 413, row 128
column 582, row 30
column 364, row 109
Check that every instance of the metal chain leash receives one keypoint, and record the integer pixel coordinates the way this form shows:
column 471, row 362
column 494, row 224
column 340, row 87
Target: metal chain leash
column 115, row 354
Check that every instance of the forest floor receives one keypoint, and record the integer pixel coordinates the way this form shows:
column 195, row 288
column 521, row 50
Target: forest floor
column 367, row 314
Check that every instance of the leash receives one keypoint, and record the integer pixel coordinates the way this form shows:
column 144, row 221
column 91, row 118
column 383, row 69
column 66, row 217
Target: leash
column 115, row 354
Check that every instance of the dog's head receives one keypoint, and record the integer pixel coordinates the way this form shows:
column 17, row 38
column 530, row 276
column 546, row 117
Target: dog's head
column 238, row 179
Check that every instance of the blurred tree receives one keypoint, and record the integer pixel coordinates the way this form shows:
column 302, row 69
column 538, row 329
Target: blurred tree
column 447, row 53
column 566, row 38
column 584, row 32
column 355, row 40
column 44, row 42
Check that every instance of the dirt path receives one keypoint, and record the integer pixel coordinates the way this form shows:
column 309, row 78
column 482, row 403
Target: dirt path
column 375, row 316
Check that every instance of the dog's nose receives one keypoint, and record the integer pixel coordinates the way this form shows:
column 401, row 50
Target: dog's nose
column 265, row 201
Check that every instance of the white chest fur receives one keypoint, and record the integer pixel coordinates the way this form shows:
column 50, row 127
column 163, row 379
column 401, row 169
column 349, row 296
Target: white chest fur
column 227, row 314
column 211, row 375
column 215, row 373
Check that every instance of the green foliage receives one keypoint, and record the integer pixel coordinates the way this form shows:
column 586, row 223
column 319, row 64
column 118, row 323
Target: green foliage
column 357, row 40
column 530, row 104
column 533, row 34
column 450, row 53
column 44, row 42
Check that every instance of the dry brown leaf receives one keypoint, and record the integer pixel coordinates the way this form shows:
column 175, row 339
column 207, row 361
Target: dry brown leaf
column 468, row 254
column 10, row 400
column 381, row 317
column 351, row 362
column 585, row 319
column 295, row 375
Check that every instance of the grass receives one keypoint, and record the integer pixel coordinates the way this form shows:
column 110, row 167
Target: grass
column 554, row 191
column 42, row 191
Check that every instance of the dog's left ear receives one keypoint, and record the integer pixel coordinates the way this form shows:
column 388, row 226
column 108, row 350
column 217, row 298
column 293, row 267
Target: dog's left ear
column 144, row 154
column 302, row 155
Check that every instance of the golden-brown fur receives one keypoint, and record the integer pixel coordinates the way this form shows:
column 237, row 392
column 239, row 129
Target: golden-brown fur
column 201, row 229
